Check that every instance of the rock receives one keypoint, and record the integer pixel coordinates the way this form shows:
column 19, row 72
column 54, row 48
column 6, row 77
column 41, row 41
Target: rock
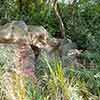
column 37, row 36
column 6, row 55
column 68, row 48
column 25, row 57
column 14, row 31
column 38, row 40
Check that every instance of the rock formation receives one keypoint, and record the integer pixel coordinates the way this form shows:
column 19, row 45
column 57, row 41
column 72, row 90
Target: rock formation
column 27, row 44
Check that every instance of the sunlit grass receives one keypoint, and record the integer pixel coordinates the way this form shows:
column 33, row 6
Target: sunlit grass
column 52, row 84
column 59, row 87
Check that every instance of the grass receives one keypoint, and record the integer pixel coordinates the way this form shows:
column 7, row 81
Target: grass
column 54, row 83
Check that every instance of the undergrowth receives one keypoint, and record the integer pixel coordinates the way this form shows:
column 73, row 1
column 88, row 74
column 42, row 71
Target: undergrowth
column 53, row 83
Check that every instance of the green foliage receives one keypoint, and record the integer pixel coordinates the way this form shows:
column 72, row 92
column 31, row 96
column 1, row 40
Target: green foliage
column 56, row 85
column 82, row 26
column 89, row 76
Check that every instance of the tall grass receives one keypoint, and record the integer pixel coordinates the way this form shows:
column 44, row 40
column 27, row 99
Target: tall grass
column 57, row 86
column 53, row 83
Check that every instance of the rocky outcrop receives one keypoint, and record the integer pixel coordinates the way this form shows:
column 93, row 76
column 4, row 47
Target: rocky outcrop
column 28, row 44
column 24, row 54
column 37, row 39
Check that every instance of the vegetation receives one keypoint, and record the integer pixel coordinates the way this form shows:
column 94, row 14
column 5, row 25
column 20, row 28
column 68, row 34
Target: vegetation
column 78, row 21
column 53, row 84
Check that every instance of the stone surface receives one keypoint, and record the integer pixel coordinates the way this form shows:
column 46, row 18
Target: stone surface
column 12, row 32
column 38, row 40
column 37, row 36
column 27, row 45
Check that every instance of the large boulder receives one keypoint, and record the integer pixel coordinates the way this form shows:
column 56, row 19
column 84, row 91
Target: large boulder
column 14, row 31
column 37, row 35
column 16, row 34
column 69, row 54
column 64, row 50
column 39, row 41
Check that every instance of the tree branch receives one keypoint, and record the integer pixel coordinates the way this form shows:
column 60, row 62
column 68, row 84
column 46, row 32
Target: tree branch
column 62, row 29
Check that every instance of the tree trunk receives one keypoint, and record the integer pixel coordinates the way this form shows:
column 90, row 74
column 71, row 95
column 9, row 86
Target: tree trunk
column 61, row 24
